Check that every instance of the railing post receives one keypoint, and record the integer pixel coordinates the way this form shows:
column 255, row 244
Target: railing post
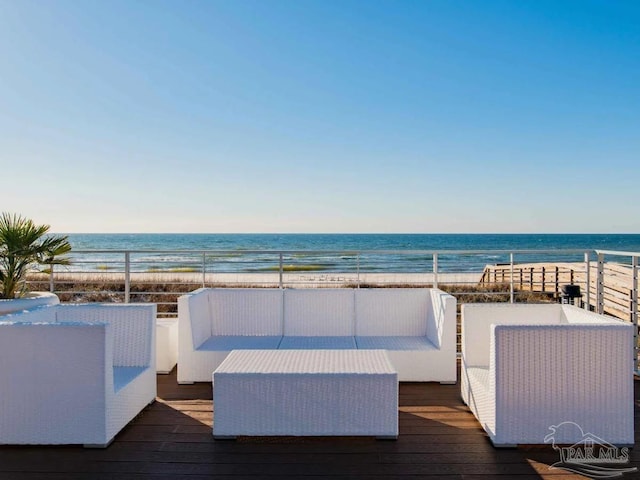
column 587, row 281
column 280, row 270
column 127, row 277
column 634, row 309
column 51, row 281
column 600, row 284
column 204, row 268
column 511, row 287
column 520, row 278
column 435, row 270
column 531, row 282
column 358, row 269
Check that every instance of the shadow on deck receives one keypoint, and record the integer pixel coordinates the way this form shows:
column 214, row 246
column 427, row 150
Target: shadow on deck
column 171, row 439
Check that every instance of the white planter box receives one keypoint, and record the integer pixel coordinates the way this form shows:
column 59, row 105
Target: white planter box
column 166, row 344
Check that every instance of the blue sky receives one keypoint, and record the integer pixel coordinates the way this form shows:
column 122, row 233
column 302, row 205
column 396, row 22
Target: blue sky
column 321, row 116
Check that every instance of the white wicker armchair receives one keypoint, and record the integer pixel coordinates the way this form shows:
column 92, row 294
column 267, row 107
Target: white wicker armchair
column 526, row 368
column 75, row 374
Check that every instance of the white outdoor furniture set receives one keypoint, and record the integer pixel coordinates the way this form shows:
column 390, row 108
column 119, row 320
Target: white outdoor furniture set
column 415, row 326
column 321, row 361
column 536, row 373
column 75, row 374
column 318, row 362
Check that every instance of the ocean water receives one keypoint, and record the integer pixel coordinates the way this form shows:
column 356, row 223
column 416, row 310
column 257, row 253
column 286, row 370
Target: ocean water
column 247, row 252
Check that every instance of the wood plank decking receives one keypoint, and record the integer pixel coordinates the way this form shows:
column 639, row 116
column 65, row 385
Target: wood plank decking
column 171, row 439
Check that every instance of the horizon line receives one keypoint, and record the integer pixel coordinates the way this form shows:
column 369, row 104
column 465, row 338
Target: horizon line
column 345, row 233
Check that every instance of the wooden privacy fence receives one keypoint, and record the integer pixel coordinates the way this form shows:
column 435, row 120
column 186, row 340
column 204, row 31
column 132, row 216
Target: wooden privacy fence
column 617, row 282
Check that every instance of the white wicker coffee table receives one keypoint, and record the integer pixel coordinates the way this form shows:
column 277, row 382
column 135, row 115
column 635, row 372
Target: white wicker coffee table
column 305, row 393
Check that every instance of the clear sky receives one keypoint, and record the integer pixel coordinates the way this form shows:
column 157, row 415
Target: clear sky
column 321, row 116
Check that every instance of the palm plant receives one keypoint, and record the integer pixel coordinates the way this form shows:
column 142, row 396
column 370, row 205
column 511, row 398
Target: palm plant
column 23, row 245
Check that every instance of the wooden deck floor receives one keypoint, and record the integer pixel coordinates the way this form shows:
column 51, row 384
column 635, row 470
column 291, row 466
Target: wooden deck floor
column 171, row 439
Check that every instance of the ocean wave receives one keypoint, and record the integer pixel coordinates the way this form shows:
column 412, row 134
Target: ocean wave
column 230, row 253
column 290, row 268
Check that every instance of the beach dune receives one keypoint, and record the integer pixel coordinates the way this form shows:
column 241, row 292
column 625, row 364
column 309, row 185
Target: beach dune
column 273, row 279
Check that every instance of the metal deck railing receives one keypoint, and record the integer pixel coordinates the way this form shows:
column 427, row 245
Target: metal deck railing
column 608, row 279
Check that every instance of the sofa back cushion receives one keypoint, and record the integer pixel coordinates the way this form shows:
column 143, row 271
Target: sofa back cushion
column 513, row 313
column 246, row 311
column 319, row 312
column 392, row 311
column 194, row 317
column 133, row 327
column 478, row 318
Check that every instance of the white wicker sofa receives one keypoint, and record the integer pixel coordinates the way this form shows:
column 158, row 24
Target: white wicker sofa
column 529, row 369
column 416, row 326
column 75, row 374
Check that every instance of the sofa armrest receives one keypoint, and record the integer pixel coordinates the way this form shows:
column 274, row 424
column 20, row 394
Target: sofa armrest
column 441, row 321
column 194, row 319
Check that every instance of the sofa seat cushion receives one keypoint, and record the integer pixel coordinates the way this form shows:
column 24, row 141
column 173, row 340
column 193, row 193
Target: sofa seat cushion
column 225, row 343
column 394, row 343
column 317, row 343
column 122, row 376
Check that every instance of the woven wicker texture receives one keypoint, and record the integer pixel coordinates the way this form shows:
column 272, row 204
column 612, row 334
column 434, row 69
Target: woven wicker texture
column 317, row 343
column 306, row 361
column 201, row 331
column 239, row 312
column 294, row 392
column 392, row 311
column 394, row 343
column 542, row 374
column 319, row 312
column 240, row 342
column 323, row 319
column 60, row 381
column 130, row 327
